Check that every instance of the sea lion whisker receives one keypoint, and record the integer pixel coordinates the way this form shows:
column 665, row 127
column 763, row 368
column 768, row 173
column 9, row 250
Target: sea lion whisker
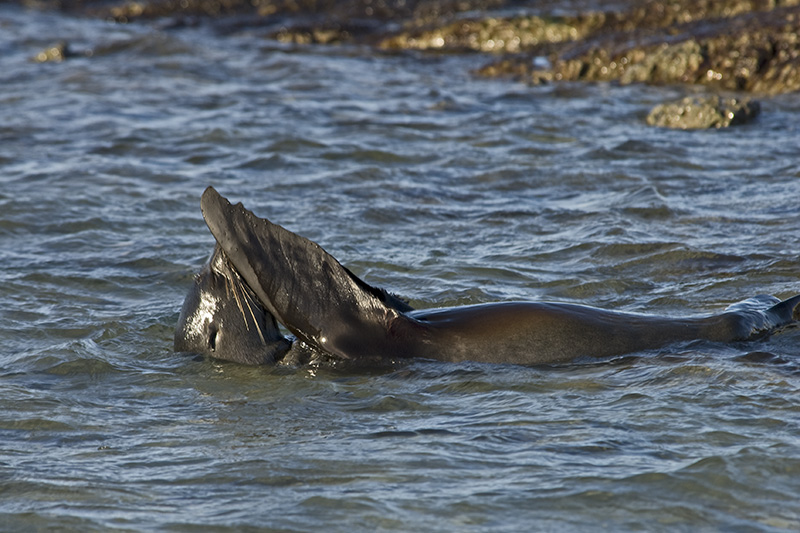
column 247, row 299
column 238, row 300
column 232, row 277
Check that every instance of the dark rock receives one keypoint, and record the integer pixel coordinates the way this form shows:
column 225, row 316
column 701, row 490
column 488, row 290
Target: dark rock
column 57, row 53
column 729, row 45
column 489, row 34
column 702, row 112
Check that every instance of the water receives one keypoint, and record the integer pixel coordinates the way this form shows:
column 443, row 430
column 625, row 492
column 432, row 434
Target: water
column 442, row 187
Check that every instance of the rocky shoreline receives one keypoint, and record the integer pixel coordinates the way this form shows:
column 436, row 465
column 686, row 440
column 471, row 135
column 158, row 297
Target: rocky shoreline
column 730, row 47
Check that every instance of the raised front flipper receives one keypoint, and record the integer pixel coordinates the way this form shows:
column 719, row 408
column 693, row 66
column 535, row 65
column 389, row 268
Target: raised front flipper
column 303, row 286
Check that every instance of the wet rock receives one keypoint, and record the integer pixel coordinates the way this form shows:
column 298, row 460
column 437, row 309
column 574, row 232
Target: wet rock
column 297, row 21
column 57, row 53
column 762, row 57
column 326, row 12
column 313, row 35
column 489, row 34
column 132, row 10
column 730, row 45
column 703, row 112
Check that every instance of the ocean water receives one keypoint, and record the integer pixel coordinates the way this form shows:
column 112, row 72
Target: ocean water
column 444, row 188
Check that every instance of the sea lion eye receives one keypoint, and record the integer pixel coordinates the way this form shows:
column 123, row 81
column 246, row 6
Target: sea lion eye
column 212, row 338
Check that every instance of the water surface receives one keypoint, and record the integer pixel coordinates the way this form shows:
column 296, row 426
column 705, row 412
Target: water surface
column 441, row 187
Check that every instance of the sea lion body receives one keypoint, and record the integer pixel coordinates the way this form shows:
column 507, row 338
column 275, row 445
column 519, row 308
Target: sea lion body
column 335, row 314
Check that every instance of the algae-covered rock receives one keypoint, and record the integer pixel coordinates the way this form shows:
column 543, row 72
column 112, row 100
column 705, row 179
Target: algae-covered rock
column 488, row 34
column 59, row 52
column 703, row 112
column 732, row 45
column 758, row 53
column 322, row 34
column 325, row 12
column 56, row 53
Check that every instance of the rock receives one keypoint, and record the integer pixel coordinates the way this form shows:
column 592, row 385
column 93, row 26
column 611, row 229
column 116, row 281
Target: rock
column 730, row 45
column 703, row 112
column 56, row 53
column 490, row 34
column 733, row 45
column 59, row 52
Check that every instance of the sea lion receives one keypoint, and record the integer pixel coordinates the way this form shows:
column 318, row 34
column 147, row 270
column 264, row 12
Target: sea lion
column 261, row 273
column 221, row 317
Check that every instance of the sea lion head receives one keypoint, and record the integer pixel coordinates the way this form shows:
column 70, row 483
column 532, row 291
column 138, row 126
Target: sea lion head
column 222, row 318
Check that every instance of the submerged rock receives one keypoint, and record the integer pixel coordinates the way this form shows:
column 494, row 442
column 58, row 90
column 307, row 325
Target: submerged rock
column 703, row 112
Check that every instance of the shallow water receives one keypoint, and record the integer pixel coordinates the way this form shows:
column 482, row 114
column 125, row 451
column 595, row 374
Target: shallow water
column 444, row 188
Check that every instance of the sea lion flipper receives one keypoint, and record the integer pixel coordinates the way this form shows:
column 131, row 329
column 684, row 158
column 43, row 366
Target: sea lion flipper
column 303, row 286
column 785, row 312
column 751, row 319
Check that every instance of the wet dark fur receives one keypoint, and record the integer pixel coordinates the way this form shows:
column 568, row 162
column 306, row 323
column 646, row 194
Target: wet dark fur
column 261, row 273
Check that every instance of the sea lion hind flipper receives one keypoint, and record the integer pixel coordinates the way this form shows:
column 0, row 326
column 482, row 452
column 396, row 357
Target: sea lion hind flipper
column 758, row 316
column 303, row 286
column 785, row 312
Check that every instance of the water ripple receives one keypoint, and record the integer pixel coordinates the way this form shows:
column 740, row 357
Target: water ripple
column 441, row 187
